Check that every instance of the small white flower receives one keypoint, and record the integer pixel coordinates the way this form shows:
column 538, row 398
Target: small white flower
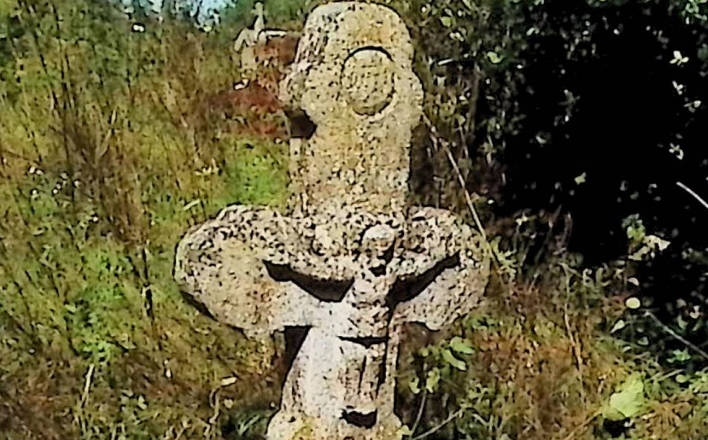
column 695, row 312
column 678, row 87
column 676, row 149
column 679, row 59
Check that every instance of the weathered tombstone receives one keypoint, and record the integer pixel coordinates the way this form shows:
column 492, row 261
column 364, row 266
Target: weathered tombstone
column 351, row 262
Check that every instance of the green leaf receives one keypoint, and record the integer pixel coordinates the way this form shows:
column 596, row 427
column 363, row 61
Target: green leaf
column 680, row 356
column 414, row 385
column 619, row 325
column 703, row 53
column 452, row 360
column 404, row 431
column 494, row 57
column 627, row 401
column 446, row 21
column 432, row 380
column 461, row 345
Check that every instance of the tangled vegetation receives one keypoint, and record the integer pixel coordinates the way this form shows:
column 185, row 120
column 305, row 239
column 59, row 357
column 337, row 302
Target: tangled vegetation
column 111, row 146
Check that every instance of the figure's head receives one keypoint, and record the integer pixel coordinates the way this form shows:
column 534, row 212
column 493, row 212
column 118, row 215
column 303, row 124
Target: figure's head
column 258, row 8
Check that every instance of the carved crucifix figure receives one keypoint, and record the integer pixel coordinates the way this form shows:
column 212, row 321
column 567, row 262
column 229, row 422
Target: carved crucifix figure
column 351, row 261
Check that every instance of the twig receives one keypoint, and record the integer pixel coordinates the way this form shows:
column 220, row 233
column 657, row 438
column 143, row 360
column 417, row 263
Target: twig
column 693, row 193
column 437, row 428
column 245, row 427
column 470, row 205
column 676, row 336
column 84, row 398
column 181, row 431
column 566, row 320
column 4, row 151
column 87, row 385
column 468, row 198
column 463, row 185
column 660, row 377
column 211, row 425
column 587, row 421
column 419, row 416
column 473, row 210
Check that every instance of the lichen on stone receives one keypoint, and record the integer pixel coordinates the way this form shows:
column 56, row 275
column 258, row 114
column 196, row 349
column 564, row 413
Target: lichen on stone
column 350, row 261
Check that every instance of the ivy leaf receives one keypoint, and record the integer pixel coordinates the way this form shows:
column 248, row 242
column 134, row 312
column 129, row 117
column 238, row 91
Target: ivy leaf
column 627, row 401
column 461, row 345
column 452, row 360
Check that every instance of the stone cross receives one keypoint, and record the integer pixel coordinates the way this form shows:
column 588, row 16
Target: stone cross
column 351, row 262
column 247, row 39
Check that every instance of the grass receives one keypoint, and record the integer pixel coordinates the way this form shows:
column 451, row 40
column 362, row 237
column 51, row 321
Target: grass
column 101, row 175
column 540, row 361
column 75, row 299
column 98, row 185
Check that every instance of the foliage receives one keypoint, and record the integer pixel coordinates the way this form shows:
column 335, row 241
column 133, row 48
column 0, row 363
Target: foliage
column 107, row 157
column 492, row 108
column 538, row 362
column 626, row 402
column 100, row 178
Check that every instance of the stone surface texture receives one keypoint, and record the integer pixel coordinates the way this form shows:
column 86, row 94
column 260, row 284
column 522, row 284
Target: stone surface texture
column 353, row 77
column 350, row 261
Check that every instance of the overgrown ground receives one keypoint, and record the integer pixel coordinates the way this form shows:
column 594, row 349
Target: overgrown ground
column 108, row 156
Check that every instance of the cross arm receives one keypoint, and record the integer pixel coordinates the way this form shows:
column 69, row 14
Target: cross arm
column 223, row 267
column 448, row 270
